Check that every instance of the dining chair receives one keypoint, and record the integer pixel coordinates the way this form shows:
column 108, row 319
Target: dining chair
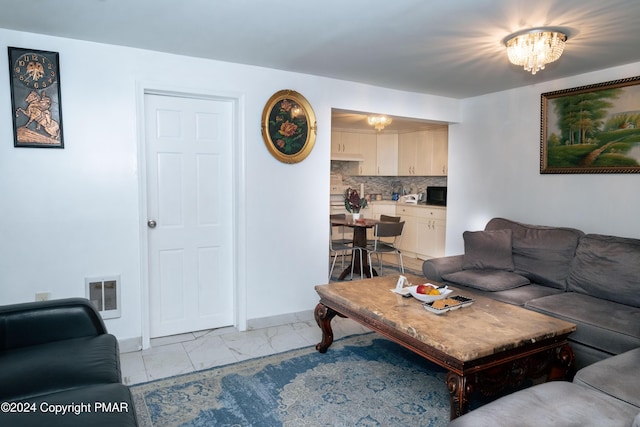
column 379, row 246
column 339, row 247
column 385, row 218
column 340, row 231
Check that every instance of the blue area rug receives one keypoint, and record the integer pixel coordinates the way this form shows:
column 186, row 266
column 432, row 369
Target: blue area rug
column 363, row 380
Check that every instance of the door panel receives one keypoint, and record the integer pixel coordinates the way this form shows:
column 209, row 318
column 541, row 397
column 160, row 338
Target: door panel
column 189, row 197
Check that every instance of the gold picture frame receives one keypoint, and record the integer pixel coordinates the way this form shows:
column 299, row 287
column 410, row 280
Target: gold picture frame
column 289, row 126
column 591, row 129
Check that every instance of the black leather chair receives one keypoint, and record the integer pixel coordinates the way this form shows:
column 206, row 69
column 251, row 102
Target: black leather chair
column 57, row 355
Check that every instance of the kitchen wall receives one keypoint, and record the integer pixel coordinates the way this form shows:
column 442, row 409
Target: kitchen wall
column 383, row 184
column 79, row 212
column 494, row 169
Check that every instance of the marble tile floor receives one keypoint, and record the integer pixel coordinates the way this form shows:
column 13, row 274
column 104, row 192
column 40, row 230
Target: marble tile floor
column 181, row 354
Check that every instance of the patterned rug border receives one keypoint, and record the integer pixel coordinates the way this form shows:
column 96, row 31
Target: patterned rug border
column 247, row 367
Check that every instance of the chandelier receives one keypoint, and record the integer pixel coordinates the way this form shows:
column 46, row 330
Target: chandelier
column 379, row 122
column 535, row 48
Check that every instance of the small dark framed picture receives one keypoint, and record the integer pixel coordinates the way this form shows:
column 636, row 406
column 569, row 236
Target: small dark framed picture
column 289, row 126
column 35, row 98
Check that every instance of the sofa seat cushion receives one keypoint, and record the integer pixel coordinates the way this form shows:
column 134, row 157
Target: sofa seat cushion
column 120, row 413
column 556, row 403
column 607, row 267
column 58, row 366
column 487, row 280
column 487, row 250
column 617, row 376
column 601, row 324
column 543, row 254
column 516, row 296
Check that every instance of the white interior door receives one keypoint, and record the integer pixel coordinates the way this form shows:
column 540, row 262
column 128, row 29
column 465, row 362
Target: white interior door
column 189, row 206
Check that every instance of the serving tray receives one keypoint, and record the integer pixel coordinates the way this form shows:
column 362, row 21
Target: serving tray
column 461, row 301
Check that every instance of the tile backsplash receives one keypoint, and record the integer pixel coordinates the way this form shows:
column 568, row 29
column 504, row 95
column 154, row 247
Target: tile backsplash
column 383, row 184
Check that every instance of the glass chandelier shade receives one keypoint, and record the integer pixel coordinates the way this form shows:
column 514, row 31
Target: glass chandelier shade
column 534, row 49
column 379, row 122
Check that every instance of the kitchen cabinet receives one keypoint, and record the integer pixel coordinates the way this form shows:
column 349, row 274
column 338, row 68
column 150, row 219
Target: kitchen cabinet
column 424, row 230
column 440, row 152
column 368, row 150
column 362, row 145
column 382, row 208
column 387, row 154
column 410, row 215
column 423, row 153
column 430, row 232
column 407, row 149
column 344, row 143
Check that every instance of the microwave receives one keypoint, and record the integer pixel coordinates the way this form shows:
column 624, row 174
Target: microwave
column 437, row 196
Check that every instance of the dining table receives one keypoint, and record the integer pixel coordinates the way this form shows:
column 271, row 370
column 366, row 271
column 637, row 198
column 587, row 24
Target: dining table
column 360, row 227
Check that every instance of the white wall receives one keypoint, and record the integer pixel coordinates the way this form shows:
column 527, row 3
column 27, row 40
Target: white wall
column 494, row 163
column 74, row 213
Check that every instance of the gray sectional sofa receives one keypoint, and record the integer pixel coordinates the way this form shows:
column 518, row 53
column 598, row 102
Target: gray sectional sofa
column 606, row 393
column 591, row 280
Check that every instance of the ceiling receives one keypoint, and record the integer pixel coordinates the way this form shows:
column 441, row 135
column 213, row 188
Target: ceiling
column 450, row 48
column 354, row 120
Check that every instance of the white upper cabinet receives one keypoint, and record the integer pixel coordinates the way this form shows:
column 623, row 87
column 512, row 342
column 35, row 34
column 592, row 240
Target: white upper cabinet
column 387, row 154
column 369, row 153
column 423, row 153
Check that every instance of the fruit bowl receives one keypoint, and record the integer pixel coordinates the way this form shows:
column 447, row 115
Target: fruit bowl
column 444, row 292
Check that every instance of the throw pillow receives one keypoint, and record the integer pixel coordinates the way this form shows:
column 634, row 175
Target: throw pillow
column 487, row 280
column 487, row 250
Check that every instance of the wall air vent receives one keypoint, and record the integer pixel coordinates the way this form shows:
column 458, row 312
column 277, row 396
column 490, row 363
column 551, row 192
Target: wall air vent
column 104, row 294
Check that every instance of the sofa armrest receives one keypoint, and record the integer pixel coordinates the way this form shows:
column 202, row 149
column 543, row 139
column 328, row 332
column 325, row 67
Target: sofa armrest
column 435, row 268
column 41, row 322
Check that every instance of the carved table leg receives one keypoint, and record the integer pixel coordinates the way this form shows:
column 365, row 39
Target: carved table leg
column 563, row 365
column 323, row 315
column 460, row 389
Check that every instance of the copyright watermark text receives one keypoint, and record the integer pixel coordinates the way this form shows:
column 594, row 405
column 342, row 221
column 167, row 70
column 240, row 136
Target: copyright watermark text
column 63, row 408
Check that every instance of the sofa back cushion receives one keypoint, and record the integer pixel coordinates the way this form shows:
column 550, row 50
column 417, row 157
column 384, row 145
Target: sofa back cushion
column 540, row 253
column 607, row 267
column 487, row 250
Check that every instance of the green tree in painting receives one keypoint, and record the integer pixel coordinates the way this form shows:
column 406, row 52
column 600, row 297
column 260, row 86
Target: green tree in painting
column 582, row 115
column 589, row 137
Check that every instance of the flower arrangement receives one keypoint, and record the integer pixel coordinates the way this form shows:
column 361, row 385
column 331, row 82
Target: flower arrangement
column 353, row 202
column 288, row 127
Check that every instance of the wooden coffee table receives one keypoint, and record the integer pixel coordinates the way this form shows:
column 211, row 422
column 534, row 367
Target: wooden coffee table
column 485, row 347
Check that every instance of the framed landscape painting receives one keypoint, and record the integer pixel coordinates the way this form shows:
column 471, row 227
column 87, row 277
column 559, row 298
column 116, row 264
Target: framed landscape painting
column 591, row 129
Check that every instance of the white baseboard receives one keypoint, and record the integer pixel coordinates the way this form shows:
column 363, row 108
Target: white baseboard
column 130, row 345
column 282, row 319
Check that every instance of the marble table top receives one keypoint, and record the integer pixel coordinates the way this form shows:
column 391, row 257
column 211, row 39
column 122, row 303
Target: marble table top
column 482, row 329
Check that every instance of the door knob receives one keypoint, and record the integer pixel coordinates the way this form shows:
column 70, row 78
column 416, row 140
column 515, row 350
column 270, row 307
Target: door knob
column 151, row 224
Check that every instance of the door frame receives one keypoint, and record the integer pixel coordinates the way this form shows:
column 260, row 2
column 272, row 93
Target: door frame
column 238, row 191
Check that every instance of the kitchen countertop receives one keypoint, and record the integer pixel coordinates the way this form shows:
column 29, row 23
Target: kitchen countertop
column 392, row 202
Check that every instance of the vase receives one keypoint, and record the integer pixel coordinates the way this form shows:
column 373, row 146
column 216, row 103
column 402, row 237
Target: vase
column 356, row 216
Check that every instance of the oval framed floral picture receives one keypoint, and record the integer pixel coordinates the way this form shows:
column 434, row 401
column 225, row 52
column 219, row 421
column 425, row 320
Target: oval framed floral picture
column 289, row 126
